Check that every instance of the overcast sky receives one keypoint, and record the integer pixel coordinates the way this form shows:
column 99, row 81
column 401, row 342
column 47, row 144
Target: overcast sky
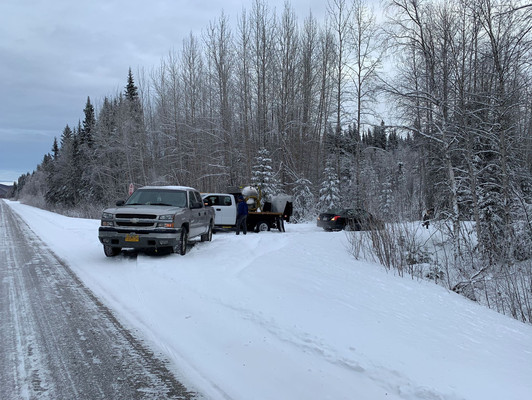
column 55, row 53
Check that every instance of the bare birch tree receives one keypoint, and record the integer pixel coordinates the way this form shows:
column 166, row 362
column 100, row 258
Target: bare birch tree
column 220, row 52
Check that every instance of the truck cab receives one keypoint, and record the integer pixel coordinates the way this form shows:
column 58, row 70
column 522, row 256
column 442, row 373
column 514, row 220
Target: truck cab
column 224, row 205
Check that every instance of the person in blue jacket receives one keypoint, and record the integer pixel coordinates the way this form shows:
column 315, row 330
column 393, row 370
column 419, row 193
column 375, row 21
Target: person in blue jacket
column 241, row 215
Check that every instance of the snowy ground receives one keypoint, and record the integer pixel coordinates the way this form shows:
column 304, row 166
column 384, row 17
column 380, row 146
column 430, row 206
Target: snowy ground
column 294, row 316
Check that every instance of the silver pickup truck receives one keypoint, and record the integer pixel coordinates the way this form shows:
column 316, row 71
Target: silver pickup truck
column 156, row 217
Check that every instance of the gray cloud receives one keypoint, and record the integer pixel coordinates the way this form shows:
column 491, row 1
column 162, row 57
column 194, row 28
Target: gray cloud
column 55, row 53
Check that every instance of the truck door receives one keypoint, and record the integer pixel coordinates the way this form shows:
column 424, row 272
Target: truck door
column 224, row 208
column 205, row 215
column 197, row 214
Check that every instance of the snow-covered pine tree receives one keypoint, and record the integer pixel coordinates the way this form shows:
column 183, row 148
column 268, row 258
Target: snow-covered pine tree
column 330, row 189
column 85, row 154
column 263, row 175
column 304, row 203
column 386, row 199
column 63, row 173
column 133, row 131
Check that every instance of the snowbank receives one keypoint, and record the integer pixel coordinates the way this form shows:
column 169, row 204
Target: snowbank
column 294, row 316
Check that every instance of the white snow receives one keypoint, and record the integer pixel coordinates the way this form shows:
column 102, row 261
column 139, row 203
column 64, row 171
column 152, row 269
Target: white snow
column 294, row 316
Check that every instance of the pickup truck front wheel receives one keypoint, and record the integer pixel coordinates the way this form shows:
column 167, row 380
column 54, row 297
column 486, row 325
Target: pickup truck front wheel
column 111, row 251
column 181, row 246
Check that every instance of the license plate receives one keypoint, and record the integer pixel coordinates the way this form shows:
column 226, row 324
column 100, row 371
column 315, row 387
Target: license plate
column 132, row 238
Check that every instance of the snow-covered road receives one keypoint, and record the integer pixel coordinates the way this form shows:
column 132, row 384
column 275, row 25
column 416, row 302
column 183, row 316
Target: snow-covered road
column 294, row 316
column 57, row 341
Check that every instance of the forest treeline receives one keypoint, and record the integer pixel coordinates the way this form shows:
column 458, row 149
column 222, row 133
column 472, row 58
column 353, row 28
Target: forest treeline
column 293, row 104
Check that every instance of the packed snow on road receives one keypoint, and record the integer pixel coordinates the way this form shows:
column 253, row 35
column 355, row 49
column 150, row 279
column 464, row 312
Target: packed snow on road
column 294, row 316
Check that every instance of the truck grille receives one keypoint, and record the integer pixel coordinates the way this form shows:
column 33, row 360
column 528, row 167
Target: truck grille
column 139, row 216
column 131, row 223
column 136, row 220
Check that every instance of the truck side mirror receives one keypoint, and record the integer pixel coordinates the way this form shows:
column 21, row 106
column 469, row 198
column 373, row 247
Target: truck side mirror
column 120, row 203
column 196, row 204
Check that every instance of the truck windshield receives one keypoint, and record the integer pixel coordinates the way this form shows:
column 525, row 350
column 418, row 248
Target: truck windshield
column 158, row 197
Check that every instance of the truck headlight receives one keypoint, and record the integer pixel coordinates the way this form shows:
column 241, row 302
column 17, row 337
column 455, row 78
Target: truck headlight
column 105, row 219
column 168, row 221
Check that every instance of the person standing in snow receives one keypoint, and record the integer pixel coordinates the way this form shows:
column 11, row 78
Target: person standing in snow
column 241, row 215
column 427, row 216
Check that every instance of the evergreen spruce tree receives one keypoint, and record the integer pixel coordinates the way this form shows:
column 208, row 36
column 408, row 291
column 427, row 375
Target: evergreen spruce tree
column 55, row 149
column 264, row 176
column 108, row 153
column 133, row 133
column 63, row 175
column 304, row 204
column 379, row 136
column 74, row 172
column 57, row 172
column 393, row 141
column 84, row 156
column 330, row 190
column 132, row 92
column 66, row 137
column 86, row 133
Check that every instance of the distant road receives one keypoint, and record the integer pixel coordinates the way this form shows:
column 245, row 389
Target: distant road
column 57, row 341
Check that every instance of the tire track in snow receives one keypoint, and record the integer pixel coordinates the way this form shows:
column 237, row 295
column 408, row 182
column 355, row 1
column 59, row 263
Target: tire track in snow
column 57, row 340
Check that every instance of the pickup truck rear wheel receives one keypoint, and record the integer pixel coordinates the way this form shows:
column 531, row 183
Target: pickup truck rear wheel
column 262, row 226
column 111, row 251
column 181, row 246
column 207, row 237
